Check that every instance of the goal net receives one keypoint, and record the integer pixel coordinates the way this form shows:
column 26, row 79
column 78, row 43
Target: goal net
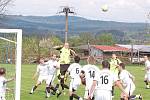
column 10, row 59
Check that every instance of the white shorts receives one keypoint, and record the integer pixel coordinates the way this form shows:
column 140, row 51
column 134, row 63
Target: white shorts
column 103, row 95
column 42, row 78
column 129, row 89
column 50, row 79
column 2, row 98
column 74, row 84
column 147, row 77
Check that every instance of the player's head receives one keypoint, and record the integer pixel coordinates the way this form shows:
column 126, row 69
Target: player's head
column 114, row 56
column 121, row 66
column 145, row 58
column 54, row 57
column 2, row 71
column 91, row 60
column 77, row 59
column 66, row 45
column 82, row 74
column 105, row 64
column 41, row 60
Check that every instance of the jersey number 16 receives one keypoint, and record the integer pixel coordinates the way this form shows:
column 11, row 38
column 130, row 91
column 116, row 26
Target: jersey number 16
column 104, row 79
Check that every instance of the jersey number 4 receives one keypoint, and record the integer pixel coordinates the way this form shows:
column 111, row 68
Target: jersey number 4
column 104, row 79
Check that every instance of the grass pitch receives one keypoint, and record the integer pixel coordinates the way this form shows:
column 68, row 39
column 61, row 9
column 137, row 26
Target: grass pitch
column 28, row 82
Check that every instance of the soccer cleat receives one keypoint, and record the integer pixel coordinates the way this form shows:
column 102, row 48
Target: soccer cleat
column 47, row 95
column 140, row 97
column 58, row 94
column 112, row 96
column 147, row 88
column 53, row 93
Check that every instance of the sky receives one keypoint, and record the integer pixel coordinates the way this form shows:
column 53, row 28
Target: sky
column 118, row 10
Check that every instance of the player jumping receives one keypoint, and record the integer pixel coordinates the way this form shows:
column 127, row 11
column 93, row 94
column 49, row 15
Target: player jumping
column 42, row 71
column 53, row 65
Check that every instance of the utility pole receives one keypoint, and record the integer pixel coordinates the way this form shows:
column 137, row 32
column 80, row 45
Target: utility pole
column 66, row 10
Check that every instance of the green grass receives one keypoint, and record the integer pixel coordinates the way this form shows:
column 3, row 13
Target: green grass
column 28, row 82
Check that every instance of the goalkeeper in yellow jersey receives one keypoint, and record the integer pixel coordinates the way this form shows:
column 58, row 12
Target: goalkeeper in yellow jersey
column 64, row 61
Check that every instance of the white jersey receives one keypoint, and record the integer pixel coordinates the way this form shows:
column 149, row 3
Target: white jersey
column 52, row 64
column 90, row 72
column 74, row 70
column 126, row 78
column 2, row 86
column 105, row 79
column 147, row 66
column 42, row 69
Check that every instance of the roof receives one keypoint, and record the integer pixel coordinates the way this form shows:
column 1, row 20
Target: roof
column 142, row 48
column 110, row 48
column 84, row 47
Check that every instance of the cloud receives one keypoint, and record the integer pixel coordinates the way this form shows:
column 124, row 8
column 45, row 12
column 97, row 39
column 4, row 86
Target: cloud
column 119, row 10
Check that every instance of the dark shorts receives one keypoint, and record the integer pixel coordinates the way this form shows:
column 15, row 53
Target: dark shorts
column 64, row 68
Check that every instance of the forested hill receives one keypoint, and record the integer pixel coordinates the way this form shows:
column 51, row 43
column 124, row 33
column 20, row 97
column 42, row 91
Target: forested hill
column 56, row 24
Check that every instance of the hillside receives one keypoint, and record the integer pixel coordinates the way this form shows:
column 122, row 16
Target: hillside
column 55, row 24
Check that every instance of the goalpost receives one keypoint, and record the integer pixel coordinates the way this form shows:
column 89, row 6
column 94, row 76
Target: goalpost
column 18, row 51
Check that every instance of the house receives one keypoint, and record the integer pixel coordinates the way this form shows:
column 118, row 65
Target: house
column 83, row 50
column 137, row 52
column 104, row 51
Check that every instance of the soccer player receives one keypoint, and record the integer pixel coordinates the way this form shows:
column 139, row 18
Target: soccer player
column 127, row 81
column 64, row 60
column 87, row 75
column 114, row 62
column 3, row 82
column 103, row 82
column 147, row 70
column 53, row 65
column 74, row 71
column 42, row 72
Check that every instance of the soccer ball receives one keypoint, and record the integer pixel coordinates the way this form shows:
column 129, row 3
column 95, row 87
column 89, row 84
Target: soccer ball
column 104, row 8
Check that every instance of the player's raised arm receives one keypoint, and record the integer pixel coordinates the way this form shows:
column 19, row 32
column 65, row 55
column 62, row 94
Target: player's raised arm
column 73, row 52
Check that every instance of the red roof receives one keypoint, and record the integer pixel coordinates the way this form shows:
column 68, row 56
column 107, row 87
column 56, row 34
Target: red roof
column 110, row 48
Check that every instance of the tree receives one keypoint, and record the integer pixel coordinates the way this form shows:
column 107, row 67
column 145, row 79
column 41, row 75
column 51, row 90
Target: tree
column 105, row 39
column 3, row 5
column 87, row 37
column 74, row 41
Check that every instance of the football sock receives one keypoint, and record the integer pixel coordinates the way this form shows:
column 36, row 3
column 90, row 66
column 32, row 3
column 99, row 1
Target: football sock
column 112, row 91
column 76, row 96
column 34, row 88
column 62, row 83
column 71, row 98
column 146, row 82
column 56, row 87
column 48, row 89
column 66, row 86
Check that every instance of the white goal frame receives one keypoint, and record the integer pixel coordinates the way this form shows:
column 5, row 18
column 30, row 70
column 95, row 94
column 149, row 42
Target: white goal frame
column 18, row 58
